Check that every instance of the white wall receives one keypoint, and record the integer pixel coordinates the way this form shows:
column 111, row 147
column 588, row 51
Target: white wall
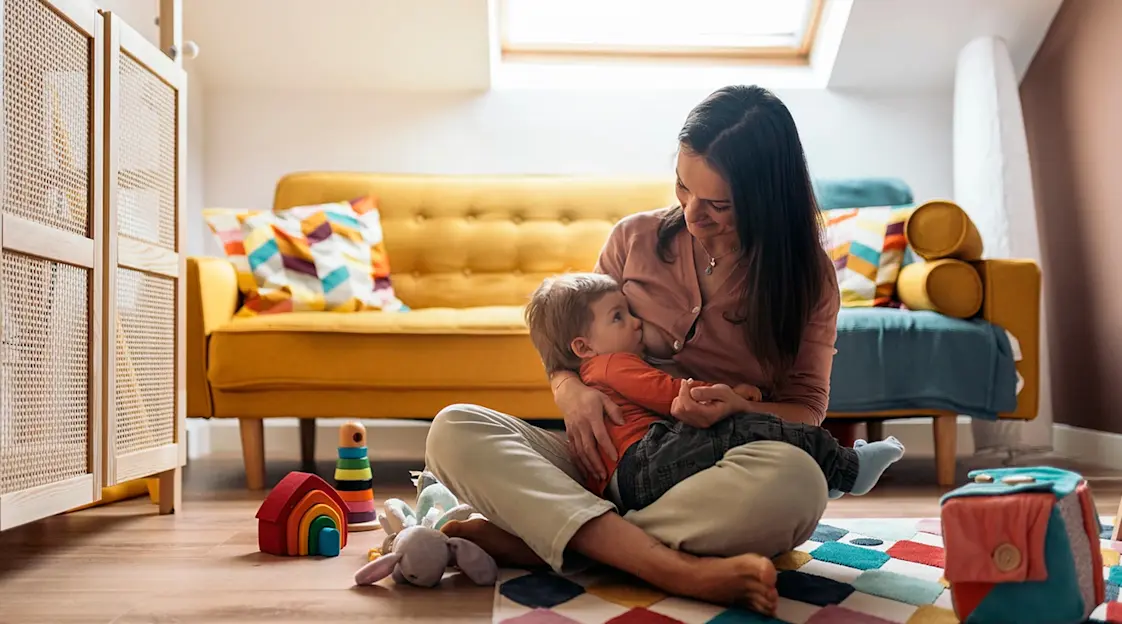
column 251, row 138
column 199, row 239
column 894, row 45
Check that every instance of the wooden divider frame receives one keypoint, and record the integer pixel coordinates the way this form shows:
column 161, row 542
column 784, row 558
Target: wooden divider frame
column 123, row 251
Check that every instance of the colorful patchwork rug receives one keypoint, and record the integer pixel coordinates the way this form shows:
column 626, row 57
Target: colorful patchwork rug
column 850, row 571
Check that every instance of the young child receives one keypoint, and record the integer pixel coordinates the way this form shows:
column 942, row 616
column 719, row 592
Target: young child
column 581, row 322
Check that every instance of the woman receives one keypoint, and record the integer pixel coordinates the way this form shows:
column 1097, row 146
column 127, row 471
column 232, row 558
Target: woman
column 733, row 286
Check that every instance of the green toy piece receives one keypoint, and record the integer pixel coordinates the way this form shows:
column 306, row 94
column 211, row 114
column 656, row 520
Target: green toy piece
column 314, row 529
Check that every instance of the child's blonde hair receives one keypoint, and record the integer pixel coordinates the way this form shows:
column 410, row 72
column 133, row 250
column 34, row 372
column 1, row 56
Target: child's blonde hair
column 560, row 310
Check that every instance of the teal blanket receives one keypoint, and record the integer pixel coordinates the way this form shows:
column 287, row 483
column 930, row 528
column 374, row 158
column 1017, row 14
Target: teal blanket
column 899, row 359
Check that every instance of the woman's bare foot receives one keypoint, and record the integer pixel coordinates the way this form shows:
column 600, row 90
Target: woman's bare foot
column 508, row 550
column 743, row 581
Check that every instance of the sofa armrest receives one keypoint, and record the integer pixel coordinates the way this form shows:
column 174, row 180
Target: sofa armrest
column 212, row 299
column 1012, row 293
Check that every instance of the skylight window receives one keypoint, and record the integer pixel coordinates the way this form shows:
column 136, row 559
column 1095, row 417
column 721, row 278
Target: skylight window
column 762, row 30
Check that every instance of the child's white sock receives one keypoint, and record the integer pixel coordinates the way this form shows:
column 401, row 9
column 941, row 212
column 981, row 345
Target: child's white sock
column 872, row 460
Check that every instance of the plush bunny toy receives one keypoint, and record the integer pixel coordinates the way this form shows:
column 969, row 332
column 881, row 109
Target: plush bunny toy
column 415, row 551
column 436, row 505
column 422, row 554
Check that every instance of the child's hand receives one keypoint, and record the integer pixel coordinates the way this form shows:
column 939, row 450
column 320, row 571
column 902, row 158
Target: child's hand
column 749, row 392
column 701, row 413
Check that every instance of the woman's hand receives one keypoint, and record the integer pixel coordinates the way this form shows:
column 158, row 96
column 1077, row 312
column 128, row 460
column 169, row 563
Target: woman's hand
column 584, row 409
column 705, row 406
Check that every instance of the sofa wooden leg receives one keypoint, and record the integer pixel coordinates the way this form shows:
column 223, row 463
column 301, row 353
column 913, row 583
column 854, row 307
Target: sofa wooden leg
column 946, row 429
column 308, row 444
column 1114, row 533
column 253, row 451
column 844, row 430
column 875, row 430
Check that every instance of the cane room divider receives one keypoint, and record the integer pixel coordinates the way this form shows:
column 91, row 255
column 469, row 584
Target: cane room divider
column 92, row 249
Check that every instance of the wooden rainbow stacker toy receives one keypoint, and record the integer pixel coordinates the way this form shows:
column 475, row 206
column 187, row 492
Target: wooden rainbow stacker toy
column 353, row 478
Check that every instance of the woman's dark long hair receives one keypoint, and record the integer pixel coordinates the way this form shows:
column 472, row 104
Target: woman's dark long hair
column 748, row 136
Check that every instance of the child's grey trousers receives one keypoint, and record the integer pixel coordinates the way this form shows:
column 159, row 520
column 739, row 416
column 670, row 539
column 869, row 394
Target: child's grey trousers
column 673, row 451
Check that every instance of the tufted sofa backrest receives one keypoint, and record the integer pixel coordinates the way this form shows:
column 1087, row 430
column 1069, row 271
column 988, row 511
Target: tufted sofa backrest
column 465, row 241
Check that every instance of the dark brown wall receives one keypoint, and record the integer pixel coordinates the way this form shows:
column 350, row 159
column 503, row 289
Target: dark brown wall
column 1072, row 99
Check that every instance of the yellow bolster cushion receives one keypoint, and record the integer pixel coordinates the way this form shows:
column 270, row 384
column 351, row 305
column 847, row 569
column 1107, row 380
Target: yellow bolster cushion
column 942, row 229
column 950, row 287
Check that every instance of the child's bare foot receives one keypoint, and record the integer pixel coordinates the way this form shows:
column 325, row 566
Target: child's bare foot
column 507, row 550
column 744, row 581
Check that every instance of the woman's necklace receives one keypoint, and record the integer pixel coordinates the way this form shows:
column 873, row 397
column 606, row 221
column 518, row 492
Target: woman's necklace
column 713, row 259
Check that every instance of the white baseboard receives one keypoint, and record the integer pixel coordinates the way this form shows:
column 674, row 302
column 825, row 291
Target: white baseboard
column 404, row 440
column 1097, row 448
column 918, row 436
column 387, row 440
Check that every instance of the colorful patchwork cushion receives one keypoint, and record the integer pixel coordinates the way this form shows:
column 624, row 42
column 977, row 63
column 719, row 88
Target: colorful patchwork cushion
column 1022, row 545
column 867, row 246
column 327, row 257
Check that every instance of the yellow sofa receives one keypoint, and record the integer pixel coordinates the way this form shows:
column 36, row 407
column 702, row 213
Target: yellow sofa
column 465, row 251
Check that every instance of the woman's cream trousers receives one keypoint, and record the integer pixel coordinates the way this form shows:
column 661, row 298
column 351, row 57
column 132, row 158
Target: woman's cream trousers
column 763, row 498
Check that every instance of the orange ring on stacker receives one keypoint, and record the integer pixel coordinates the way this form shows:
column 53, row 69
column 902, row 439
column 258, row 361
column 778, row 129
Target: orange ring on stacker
column 357, row 497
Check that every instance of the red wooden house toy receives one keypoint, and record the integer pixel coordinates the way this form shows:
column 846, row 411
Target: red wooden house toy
column 303, row 515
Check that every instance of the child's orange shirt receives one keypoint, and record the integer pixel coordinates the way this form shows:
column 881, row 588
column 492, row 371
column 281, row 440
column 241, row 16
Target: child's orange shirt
column 643, row 393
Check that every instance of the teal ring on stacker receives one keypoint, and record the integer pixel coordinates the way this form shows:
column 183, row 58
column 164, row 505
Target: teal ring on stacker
column 352, row 452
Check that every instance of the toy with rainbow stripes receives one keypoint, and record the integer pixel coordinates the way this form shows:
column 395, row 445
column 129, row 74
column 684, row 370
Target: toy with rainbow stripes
column 302, row 516
column 353, row 478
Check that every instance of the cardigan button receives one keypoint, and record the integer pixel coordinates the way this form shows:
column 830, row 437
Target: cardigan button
column 696, row 309
column 677, row 345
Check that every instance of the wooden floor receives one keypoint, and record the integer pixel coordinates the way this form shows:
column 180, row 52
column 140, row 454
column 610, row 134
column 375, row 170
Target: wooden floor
column 124, row 563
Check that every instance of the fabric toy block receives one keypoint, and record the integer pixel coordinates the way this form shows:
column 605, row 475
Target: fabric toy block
column 1022, row 544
